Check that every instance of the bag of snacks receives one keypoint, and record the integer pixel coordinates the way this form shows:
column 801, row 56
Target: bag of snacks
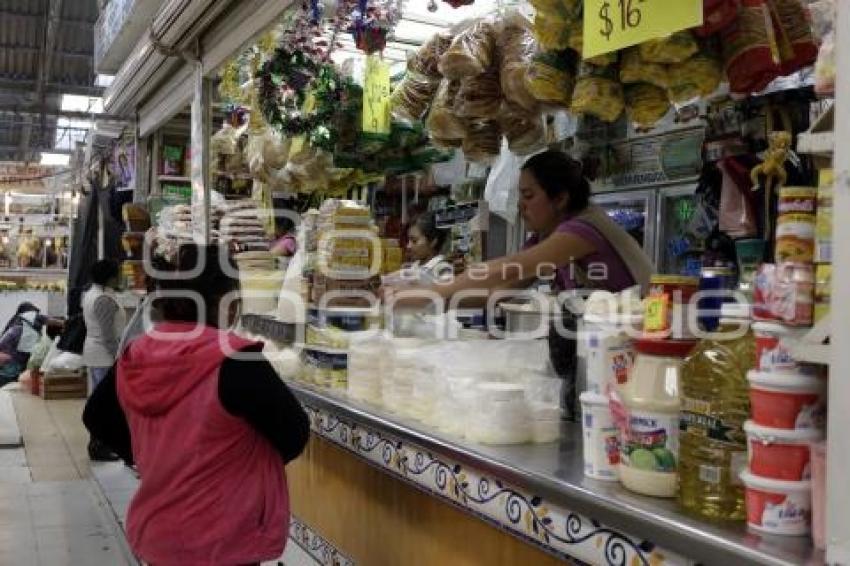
column 717, row 14
column 412, row 96
column 426, row 61
column 479, row 97
column 471, row 53
column 646, row 104
column 442, row 122
column 550, row 77
column 699, row 76
column 749, row 46
column 598, row 93
column 633, row 69
column 482, row 140
column 576, row 43
column 673, row 49
column 517, row 49
column 565, row 10
column 523, row 130
column 793, row 26
column 551, row 32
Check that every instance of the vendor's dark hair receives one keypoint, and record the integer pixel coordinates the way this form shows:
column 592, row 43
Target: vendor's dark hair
column 103, row 270
column 558, row 173
column 427, row 224
column 214, row 280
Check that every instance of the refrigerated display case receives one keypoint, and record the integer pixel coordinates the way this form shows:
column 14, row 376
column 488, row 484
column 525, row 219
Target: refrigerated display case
column 634, row 211
column 681, row 238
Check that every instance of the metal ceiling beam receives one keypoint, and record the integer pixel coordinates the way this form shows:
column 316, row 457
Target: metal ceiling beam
column 45, row 63
column 12, row 114
column 28, row 85
column 29, row 49
column 69, row 21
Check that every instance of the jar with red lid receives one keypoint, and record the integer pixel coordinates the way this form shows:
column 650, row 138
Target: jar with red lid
column 668, row 306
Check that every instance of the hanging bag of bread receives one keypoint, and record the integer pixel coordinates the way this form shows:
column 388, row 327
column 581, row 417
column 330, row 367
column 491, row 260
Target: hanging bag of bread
column 598, row 93
column 633, row 69
column 554, row 22
column 411, row 98
column 750, row 53
column 524, row 130
column 675, row 48
column 479, row 96
column 471, row 53
column 646, row 104
column 445, row 128
column 482, row 141
column 426, row 61
column 551, row 78
column 697, row 77
column 517, row 48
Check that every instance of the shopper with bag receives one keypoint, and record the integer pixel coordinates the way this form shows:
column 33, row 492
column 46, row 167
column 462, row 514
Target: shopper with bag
column 20, row 336
column 211, row 423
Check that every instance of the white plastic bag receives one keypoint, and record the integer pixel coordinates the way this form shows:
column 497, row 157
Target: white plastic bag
column 502, row 189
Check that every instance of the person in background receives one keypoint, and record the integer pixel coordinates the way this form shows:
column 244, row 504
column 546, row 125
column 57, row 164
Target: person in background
column 211, row 424
column 105, row 321
column 425, row 243
column 20, row 336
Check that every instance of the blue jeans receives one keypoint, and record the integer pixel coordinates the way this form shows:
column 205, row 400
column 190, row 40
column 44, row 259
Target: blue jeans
column 97, row 375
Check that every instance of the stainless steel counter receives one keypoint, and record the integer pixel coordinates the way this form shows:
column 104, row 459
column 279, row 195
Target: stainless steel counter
column 555, row 473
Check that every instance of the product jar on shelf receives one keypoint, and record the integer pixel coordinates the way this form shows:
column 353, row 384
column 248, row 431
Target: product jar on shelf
column 650, row 445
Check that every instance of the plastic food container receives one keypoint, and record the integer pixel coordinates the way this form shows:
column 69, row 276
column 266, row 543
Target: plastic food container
column 778, row 507
column 601, row 438
column 674, row 322
column 545, row 423
column 818, row 494
column 773, row 348
column 790, row 401
column 503, row 415
column 608, row 350
column 780, row 454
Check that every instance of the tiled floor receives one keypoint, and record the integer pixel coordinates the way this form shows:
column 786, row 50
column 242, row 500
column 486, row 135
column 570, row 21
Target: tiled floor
column 51, row 512
column 59, row 509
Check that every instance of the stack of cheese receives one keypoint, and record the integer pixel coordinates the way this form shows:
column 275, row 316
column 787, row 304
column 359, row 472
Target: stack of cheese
column 241, row 226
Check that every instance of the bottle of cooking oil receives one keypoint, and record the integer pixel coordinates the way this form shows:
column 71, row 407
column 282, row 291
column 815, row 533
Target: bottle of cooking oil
column 714, row 406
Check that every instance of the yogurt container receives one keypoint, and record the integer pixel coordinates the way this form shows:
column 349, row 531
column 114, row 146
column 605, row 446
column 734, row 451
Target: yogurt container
column 780, row 454
column 778, row 507
column 773, row 348
column 789, row 401
column 608, row 350
column 601, row 438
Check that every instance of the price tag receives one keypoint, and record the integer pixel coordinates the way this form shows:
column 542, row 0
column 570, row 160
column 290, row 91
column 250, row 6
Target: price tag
column 610, row 25
column 376, row 96
column 656, row 313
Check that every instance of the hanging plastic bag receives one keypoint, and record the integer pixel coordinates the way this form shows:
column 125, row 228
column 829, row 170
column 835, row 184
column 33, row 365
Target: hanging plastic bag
column 502, row 189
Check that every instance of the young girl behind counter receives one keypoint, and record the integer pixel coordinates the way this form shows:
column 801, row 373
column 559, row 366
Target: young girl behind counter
column 586, row 248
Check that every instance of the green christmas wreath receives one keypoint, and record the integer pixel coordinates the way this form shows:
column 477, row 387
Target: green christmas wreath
column 285, row 81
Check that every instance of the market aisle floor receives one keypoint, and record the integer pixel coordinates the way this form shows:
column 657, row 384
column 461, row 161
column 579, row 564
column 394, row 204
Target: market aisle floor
column 51, row 513
column 59, row 509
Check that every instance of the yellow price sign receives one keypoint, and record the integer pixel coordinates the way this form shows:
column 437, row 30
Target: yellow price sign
column 610, row 25
column 376, row 96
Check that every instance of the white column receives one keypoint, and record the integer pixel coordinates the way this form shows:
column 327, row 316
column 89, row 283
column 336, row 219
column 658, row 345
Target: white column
column 838, row 464
column 200, row 144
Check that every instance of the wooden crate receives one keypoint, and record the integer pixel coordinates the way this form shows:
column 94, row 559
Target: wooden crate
column 64, row 385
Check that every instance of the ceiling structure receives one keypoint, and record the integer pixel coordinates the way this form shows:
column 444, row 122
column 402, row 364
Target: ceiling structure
column 46, row 51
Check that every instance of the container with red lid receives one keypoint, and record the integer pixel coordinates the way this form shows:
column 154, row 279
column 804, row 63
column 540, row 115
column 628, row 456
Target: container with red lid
column 780, row 454
column 668, row 307
column 789, row 401
column 778, row 507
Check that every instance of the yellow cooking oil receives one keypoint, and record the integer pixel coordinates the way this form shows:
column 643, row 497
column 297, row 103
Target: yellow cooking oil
column 714, row 405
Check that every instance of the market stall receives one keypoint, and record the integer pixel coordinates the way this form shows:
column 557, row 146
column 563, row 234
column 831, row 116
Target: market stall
column 705, row 135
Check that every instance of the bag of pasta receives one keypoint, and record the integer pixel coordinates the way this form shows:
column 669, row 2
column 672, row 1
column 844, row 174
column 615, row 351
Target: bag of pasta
column 598, row 93
column 442, row 122
column 633, row 69
column 697, row 77
column 517, row 49
column 426, row 61
column 482, row 141
column 672, row 49
column 576, row 43
column 523, row 130
column 471, row 53
column 412, row 96
column 479, row 97
column 646, row 104
column 550, row 77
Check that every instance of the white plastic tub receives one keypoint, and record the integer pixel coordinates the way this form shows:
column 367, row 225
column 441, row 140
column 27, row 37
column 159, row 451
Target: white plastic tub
column 778, row 507
column 601, row 438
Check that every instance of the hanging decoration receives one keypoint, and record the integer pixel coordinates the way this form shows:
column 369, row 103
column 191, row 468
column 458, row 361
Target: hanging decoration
column 372, row 23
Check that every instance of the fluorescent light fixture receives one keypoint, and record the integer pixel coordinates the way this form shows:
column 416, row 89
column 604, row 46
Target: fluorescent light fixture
column 60, row 159
column 104, row 80
column 81, row 103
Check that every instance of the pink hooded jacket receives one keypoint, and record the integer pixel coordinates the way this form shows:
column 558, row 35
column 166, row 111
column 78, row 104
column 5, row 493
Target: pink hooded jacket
column 213, row 490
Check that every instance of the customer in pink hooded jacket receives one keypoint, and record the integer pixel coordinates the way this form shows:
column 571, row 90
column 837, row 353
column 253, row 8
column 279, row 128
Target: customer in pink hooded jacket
column 210, row 425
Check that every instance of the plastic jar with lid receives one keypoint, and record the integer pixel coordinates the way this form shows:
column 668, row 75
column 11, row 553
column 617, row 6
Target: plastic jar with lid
column 503, row 414
column 650, row 443
column 607, row 346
